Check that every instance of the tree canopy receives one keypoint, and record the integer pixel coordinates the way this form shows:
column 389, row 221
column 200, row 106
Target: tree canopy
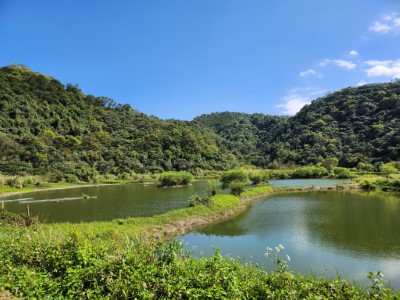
column 48, row 127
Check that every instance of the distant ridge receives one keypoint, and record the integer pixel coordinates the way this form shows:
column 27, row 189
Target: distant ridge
column 50, row 128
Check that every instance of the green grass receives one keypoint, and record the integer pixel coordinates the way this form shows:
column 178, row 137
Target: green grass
column 8, row 189
column 41, row 265
column 126, row 258
column 256, row 191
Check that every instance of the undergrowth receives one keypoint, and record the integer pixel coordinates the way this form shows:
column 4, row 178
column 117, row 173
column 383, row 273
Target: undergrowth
column 92, row 267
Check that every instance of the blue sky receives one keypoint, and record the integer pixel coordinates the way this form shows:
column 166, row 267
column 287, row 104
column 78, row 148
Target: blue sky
column 183, row 58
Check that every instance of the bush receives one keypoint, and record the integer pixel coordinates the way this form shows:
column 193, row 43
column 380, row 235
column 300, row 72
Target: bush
column 256, row 178
column 71, row 178
column 365, row 167
column 234, row 175
column 281, row 174
column 212, row 187
column 196, row 200
column 310, row 172
column 124, row 176
column 340, row 172
column 175, row 178
column 237, row 187
column 388, row 168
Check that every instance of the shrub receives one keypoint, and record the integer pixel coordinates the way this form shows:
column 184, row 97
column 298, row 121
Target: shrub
column 196, row 200
column 124, row 176
column 234, row 175
column 388, row 168
column 340, row 172
column 256, row 177
column 310, row 172
column 212, row 187
column 365, row 167
column 281, row 174
column 237, row 187
column 44, row 184
column 71, row 178
column 175, row 178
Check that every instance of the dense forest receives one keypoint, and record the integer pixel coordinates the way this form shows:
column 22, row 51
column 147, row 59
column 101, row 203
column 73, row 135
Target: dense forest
column 47, row 127
column 352, row 127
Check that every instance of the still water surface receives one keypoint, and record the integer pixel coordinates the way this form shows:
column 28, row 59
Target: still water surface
column 121, row 201
column 349, row 233
column 113, row 201
column 323, row 232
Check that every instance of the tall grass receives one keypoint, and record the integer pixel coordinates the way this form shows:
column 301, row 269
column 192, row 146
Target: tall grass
column 37, row 265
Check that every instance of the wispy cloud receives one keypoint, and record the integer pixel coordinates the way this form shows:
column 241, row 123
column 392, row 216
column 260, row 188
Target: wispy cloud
column 383, row 68
column 353, row 53
column 389, row 23
column 309, row 72
column 341, row 63
column 297, row 98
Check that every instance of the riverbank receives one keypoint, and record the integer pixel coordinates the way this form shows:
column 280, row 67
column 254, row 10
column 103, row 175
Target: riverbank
column 128, row 258
column 12, row 191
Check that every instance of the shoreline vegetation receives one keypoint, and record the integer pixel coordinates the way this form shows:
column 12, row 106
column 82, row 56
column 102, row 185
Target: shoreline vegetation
column 138, row 257
column 54, row 135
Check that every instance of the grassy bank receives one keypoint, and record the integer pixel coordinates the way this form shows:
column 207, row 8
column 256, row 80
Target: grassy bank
column 92, row 267
column 127, row 258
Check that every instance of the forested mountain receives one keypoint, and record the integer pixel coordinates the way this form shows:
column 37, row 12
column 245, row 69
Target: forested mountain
column 47, row 127
column 353, row 125
column 247, row 136
column 350, row 126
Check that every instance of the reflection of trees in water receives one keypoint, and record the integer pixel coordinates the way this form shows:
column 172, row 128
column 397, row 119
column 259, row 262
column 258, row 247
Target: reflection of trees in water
column 232, row 227
column 359, row 222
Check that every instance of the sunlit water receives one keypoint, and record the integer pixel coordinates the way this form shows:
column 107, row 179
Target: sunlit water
column 113, row 201
column 348, row 233
column 325, row 233
column 121, row 201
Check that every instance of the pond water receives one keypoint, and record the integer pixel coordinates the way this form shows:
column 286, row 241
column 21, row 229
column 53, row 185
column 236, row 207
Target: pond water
column 307, row 182
column 325, row 233
column 122, row 201
column 113, row 201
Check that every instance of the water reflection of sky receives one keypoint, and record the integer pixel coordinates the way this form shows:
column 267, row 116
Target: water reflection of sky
column 317, row 233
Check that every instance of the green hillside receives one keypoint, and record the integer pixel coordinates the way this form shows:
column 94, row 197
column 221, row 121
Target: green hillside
column 48, row 127
column 352, row 125
column 248, row 137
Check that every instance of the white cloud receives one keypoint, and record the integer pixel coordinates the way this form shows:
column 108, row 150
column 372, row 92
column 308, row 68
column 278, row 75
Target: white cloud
column 380, row 27
column 353, row 53
column 309, row 72
column 345, row 64
column 378, row 62
column 339, row 63
column 297, row 98
column 384, row 68
column 293, row 103
column 389, row 23
column 362, row 82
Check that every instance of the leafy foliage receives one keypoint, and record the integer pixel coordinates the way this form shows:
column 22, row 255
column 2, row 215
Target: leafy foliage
column 345, row 128
column 175, row 178
column 237, row 187
column 234, row 175
column 86, row 267
column 48, row 127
